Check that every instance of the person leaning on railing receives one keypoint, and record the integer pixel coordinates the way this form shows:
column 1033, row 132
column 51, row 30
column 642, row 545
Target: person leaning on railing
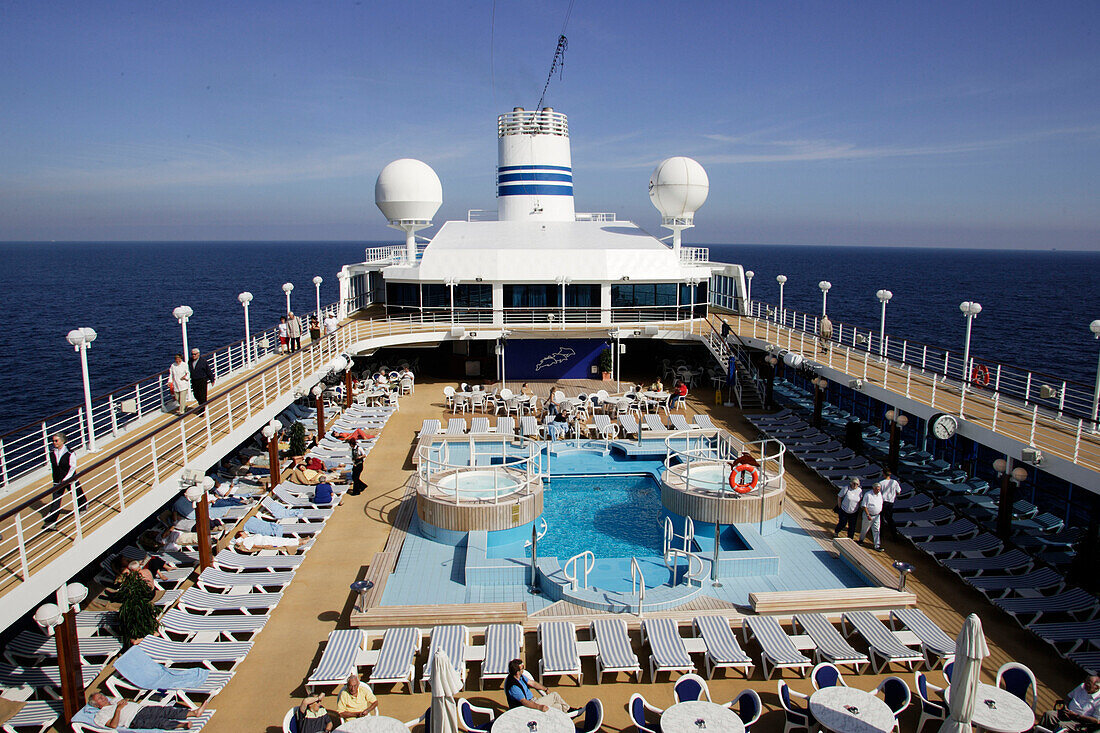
column 63, row 467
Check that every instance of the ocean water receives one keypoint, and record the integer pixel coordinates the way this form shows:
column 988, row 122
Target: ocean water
column 1037, row 305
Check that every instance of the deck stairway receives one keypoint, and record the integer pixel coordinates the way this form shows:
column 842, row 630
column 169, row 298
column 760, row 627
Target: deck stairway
column 747, row 389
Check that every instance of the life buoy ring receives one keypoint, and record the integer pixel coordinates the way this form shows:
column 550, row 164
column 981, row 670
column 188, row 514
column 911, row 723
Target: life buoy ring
column 744, row 478
column 980, row 376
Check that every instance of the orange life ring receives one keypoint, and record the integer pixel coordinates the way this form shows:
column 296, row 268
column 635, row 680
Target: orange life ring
column 980, row 376
column 744, row 478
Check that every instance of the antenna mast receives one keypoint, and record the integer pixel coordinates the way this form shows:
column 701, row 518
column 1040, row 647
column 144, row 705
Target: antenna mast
column 558, row 64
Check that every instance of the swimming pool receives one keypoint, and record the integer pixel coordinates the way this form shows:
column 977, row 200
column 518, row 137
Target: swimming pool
column 476, row 484
column 613, row 516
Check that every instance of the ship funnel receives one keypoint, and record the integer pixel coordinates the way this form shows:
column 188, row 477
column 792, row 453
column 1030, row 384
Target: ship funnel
column 534, row 166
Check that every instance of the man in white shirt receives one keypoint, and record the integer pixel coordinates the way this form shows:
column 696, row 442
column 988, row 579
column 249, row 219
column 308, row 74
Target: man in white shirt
column 331, row 324
column 890, row 490
column 141, row 715
column 847, row 507
column 1081, row 711
column 63, row 469
column 872, row 511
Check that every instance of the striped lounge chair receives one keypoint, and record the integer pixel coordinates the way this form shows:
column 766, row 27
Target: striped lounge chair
column 136, row 672
column 479, row 426
column 529, row 426
column 396, row 658
column 1077, row 634
column 881, row 642
column 32, row 645
column 431, row 427
column 1076, row 603
column 1013, row 561
column 451, row 639
column 615, row 654
column 506, row 426
column 938, row 647
column 996, row 586
column 229, row 559
column 560, row 657
column 208, row 628
column 198, row 600
column 629, row 425
column 40, row 714
column 653, row 422
column 503, row 643
column 831, row 645
column 666, row 647
column 777, row 649
column 220, row 580
column 704, row 422
column 208, row 654
column 722, row 647
column 604, row 427
column 456, row 426
column 338, row 660
column 84, row 721
column 679, row 422
column 45, row 676
column 983, row 544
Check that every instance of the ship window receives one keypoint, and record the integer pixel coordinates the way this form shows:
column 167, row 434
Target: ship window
column 402, row 295
column 436, row 296
column 532, row 296
column 582, row 296
column 642, row 295
column 473, row 296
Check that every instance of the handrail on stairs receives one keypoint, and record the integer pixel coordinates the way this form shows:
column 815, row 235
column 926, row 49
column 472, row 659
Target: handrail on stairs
column 539, row 534
column 671, row 562
column 637, row 583
column 589, row 564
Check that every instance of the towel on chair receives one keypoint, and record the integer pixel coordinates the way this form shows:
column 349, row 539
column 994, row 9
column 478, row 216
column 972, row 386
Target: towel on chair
column 259, row 526
column 139, row 669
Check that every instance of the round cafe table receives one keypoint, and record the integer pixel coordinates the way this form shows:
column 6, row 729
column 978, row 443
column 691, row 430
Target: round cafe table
column 699, row 715
column 847, row 710
column 372, row 724
column 518, row 720
column 999, row 710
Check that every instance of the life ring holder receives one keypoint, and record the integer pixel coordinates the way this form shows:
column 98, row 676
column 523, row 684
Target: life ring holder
column 979, row 376
column 744, row 477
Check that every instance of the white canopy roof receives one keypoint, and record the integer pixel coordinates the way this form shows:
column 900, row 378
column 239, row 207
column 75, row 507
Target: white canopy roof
column 534, row 251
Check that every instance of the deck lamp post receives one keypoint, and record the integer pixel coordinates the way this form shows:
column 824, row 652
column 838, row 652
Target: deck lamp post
column 825, row 286
column 288, row 288
column 81, row 339
column 884, row 297
column 59, row 620
column 183, row 314
column 772, row 361
column 245, row 298
column 271, row 435
column 317, row 391
column 782, row 280
column 820, row 384
column 1010, row 478
column 1095, row 328
column 343, row 364
column 749, row 275
column 197, row 492
column 317, row 280
column 970, row 310
column 897, row 422
column 694, row 283
column 451, row 282
column 563, row 280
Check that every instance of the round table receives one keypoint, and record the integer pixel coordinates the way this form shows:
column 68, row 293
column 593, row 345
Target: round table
column 372, row 724
column 698, row 715
column 663, row 396
column 847, row 710
column 518, row 720
column 999, row 710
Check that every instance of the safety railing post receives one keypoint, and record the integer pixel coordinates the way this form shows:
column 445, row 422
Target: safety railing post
column 114, row 417
column 996, row 406
column 3, row 464
column 76, row 511
column 934, row 381
column 137, row 399
column 1062, row 400
column 22, row 545
column 153, row 452
column 1077, row 440
column 1027, row 388
column 118, row 483
column 923, row 358
column 1034, row 419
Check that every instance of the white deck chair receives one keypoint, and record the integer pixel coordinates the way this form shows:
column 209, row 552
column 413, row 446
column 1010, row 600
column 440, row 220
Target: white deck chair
column 778, row 651
column 479, row 426
column 200, row 601
column 503, row 643
column 170, row 652
column 831, row 645
column 560, row 656
column 881, row 642
column 431, row 427
column 615, row 654
column 721, row 645
column 396, row 659
column 454, row 640
column 679, row 422
column 529, row 426
column 654, row 422
column 506, row 426
column 629, row 424
column 456, row 426
column 229, row 559
column 207, row 628
column 667, row 650
column 222, row 581
column 338, row 659
column 704, row 422
column 938, row 647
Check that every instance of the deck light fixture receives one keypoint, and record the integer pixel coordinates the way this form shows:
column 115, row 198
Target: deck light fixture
column 1011, row 478
column 182, row 314
column 81, row 339
column 897, row 421
column 59, row 620
column 825, row 285
column 450, row 283
column 748, row 289
column 288, row 288
column 245, row 298
column 317, row 280
column 970, row 310
column 782, row 280
column 1095, row 328
column 884, row 297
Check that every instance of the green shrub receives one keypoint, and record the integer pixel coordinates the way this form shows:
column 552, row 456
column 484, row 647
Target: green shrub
column 137, row 616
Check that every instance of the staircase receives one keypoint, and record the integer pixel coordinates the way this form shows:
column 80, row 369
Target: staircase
column 748, row 389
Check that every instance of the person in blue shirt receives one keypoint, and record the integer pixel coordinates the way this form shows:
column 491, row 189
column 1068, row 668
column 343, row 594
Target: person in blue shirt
column 518, row 689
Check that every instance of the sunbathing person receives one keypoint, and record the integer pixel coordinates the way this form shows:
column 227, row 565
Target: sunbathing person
column 141, row 715
column 246, row 542
column 301, row 473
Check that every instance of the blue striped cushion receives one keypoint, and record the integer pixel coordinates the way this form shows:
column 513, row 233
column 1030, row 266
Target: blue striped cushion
column 614, row 644
column 721, row 644
column 775, row 642
column 394, row 659
column 828, row 639
column 165, row 650
column 503, row 643
column 338, row 659
column 665, row 643
column 200, row 599
column 182, row 622
column 878, row 637
column 930, row 635
column 452, row 640
column 559, row 647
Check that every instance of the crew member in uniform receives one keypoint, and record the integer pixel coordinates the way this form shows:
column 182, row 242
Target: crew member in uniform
column 63, row 466
column 890, row 489
column 202, row 376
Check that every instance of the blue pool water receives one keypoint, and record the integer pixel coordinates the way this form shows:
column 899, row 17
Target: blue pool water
column 613, row 516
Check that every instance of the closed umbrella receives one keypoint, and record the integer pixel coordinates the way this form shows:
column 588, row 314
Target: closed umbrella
column 970, row 650
column 445, row 685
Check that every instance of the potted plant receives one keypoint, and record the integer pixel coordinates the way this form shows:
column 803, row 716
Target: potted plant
column 297, row 439
column 606, row 365
column 137, row 616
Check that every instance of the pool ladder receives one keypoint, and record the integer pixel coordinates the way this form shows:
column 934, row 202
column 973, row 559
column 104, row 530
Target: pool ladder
column 670, row 535
column 673, row 553
column 539, row 534
column 589, row 563
column 637, row 583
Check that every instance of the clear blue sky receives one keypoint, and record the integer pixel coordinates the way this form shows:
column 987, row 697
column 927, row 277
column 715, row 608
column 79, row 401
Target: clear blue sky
column 917, row 123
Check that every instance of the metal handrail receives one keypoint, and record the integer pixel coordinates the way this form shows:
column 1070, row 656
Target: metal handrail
column 538, row 534
column 672, row 563
column 637, row 583
column 524, row 469
column 589, row 563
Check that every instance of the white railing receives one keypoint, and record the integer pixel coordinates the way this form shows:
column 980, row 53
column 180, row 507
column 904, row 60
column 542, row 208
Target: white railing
column 996, row 395
column 24, row 452
column 670, row 535
column 595, row 216
column 589, row 564
column 518, row 472
column 690, row 255
column 637, row 583
column 539, row 532
column 532, row 122
column 672, row 562
column 391, row 254
column 703, row 463
column 481, row 215
column 552, row 317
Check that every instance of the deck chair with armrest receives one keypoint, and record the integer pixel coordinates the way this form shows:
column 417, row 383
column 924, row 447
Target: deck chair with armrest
column 722, row 648
column 615, row 654
column 1075, row 634
column 208, row 654
column 136, row 672
column 666, row 646
column 454, row 640
column 1077, row 604
column 220, row 581
column 560, row 655
column 229, row 559
column 937, row 646
column 778, row 651
column 199, row 601
column 881, row 642
column 998, row 586
column 396, row 660
column 39, row 647
column 831, row 644
column 503, row 643
column 224, row 627
column 338, row 659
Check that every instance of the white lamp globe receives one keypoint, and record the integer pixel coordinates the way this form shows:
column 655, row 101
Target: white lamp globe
column 317, row 280
column 193, row 494
column 183, row 312
column 408, row 190
column 678, row 187
column 75, row 337
column 1095, row 328
column 48, row 615
column 245, row 298
column 76, row 593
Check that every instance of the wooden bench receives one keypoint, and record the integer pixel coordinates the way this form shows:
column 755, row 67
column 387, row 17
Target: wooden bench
column 864, row 563
column 474, row 614
column 836, row 599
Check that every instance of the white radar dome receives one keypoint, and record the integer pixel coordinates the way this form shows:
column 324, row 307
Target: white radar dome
column 678, row 187
column 408, row 190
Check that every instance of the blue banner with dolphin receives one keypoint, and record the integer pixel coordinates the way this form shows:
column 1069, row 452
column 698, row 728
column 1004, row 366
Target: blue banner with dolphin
column 552, row 358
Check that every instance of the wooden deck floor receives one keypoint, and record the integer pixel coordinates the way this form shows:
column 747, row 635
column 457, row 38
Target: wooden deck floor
column 270, row 680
